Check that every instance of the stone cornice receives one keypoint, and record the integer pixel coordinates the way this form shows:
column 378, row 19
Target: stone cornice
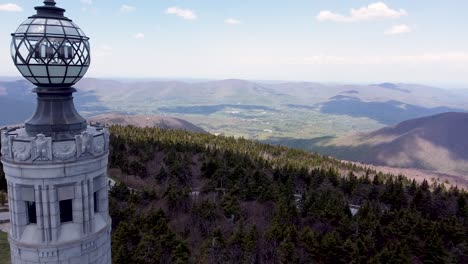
column 19, row 147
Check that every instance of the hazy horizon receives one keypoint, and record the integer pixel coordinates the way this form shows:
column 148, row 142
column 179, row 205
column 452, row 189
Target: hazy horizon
column 323, row 41
column 446, row 86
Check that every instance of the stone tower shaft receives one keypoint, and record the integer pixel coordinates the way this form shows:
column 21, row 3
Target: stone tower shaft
column 56, row 166
column 58, row 196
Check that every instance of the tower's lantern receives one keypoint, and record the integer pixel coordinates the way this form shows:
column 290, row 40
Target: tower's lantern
column 49, row 49
column 56, row 166
column 53, row 53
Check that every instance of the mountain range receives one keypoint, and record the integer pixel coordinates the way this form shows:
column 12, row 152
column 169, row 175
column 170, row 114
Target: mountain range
column 331, row 119
column 258, row 110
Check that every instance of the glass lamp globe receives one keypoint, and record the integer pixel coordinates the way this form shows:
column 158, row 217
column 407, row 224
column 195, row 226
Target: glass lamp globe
column 49, row 49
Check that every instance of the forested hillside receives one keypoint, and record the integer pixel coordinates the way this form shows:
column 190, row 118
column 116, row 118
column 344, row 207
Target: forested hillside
column 198, row 198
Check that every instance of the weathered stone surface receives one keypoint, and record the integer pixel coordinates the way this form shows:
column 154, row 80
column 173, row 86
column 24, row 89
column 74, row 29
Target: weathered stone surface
column 18, row 146
column 46, row 171
column 4, row 217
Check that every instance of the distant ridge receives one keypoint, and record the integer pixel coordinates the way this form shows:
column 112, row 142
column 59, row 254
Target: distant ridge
column 22, row 111
column 147, row 121
column 393, row 86
column 436, row 143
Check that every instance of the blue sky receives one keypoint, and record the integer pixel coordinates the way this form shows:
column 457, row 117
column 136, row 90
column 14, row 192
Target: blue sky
column 423, row 41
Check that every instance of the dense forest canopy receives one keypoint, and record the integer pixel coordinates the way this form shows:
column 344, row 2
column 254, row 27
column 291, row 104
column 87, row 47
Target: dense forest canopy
column 197, row 198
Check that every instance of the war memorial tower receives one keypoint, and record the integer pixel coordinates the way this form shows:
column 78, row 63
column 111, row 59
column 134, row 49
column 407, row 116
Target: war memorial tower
column 56, row 165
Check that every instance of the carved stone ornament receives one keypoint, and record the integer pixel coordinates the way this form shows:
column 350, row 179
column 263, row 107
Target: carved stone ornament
column 21, row 150
column 84, row 144
column 107, row 137
column 6, row 145
column 99, row 144
column 64, row 150
column 48, row 253
column 43, row 148
column 16, row 251
column 88, row 246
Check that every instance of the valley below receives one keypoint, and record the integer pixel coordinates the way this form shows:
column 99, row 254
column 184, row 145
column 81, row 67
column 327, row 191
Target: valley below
column 331, row 119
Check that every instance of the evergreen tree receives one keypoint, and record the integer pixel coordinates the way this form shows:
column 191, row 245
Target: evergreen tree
column 434, row 251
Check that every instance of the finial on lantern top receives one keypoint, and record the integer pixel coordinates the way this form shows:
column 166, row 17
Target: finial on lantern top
column 50, row 10
column 50, row 2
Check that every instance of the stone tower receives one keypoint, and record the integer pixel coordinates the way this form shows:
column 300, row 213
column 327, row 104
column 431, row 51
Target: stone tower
column 56, row 165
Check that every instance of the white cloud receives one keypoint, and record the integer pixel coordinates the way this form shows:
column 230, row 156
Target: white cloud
column 232, row 21
column 127, row 8
column 184, row 13
column 375, row 11
column 139, row 36
column 11, row 8
column 399, row 29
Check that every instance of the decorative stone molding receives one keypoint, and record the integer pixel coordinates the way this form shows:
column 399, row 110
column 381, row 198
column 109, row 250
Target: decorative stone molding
column 85, row 143
column 18, row 146
column 16, row 250
column 22, row 150
column 47, row 253
column 106, row 138
column 64, row 150
column 43, row 148
column 99, row 144
column 6, row 144
column 88, row 246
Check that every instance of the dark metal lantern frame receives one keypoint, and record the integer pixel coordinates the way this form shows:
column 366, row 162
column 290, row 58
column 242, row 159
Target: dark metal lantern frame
column 50, row 50
column 53, row 53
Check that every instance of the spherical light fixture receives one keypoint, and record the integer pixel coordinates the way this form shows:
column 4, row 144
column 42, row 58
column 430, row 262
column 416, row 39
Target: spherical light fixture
column 53, row 53
column 49, row 49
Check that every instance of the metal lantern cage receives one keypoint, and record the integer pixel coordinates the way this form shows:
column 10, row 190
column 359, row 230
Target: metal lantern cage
column 49, row 49
column 53, row 53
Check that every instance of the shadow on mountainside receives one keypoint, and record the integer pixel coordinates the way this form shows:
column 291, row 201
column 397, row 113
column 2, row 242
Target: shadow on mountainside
column 435, row 143
column 321, row 145
column 416, row 169
column 388, row 113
